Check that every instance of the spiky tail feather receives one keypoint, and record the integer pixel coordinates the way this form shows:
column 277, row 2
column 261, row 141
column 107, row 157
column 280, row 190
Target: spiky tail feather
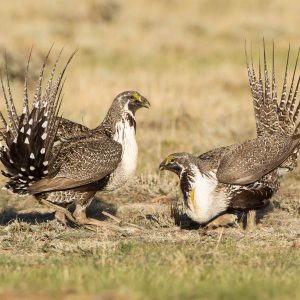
column 28, row 152
column 273, row 116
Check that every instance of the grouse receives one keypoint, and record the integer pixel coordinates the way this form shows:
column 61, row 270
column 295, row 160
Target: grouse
column 61, row 162
column 243, row 177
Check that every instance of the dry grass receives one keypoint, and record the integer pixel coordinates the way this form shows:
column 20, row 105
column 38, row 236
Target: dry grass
column 187, row 59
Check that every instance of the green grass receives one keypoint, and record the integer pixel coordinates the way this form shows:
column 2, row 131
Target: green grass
column 162, row 271
column 188, row 60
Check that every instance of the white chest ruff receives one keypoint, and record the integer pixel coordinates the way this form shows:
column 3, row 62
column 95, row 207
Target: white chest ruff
column 125, row 135
column 203, row 202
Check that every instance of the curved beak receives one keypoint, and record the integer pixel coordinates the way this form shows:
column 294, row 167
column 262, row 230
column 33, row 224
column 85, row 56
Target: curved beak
column 163, row 165
column 144, row 102
column 170, row 165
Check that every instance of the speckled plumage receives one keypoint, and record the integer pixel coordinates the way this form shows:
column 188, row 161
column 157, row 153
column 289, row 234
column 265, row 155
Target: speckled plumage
column 244, row 176
column 61, row 161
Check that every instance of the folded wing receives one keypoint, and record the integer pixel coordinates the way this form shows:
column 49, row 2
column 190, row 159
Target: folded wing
column 88, row 160
column 251, row 160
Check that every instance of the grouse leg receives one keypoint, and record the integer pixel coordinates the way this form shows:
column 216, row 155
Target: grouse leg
column 251, row 220
column 221, row 221
column 61, row 213
column 61, row 217
column 80, row 218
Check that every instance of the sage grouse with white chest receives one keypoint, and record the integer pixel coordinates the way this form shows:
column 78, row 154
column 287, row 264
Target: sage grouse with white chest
column 243, row 177
column 61, row 162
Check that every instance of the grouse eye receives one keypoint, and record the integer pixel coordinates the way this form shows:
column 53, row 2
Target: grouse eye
column 172, row 161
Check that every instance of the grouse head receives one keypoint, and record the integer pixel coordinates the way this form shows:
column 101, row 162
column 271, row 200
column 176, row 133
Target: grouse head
column 122, row 109
column 177, row 162
column 131, row 101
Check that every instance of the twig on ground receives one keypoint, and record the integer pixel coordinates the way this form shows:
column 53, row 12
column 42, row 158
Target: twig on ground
column 219, row 239
column 119, row 221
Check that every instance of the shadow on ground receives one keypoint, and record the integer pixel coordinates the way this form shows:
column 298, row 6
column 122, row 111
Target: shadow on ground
column 97, row 206
column 9, row 215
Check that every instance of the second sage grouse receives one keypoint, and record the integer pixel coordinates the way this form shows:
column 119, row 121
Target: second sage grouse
column 243, row 177
column 60, row 162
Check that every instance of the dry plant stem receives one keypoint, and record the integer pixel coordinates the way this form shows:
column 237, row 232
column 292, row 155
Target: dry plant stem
column 219, row 239
column 94, row 225
column 118, row 220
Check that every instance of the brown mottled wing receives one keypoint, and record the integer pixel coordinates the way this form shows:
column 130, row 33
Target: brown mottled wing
column 210, row 160
column 249, row 161
column 68, row 129
column 82, row 162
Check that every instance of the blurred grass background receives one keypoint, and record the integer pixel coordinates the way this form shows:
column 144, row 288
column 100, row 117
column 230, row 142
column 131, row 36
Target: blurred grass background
column 187, row 58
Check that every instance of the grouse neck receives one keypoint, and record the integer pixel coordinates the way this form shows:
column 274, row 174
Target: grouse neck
column 116, row 118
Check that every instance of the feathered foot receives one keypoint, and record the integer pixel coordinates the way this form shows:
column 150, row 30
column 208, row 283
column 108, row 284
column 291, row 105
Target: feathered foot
column 251, row 220
column 92, row 224
column 222, row 221
column 61, row 217
column 61, row 213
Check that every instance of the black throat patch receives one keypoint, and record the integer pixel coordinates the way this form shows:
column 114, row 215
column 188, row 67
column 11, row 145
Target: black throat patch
column 131, row 121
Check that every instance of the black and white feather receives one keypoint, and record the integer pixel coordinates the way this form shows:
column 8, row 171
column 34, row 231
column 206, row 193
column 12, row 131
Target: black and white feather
column 60, row 161
column 28, row 138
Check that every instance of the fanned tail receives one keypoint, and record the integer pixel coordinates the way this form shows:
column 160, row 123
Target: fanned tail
column 273, row 116
column 28, row 152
